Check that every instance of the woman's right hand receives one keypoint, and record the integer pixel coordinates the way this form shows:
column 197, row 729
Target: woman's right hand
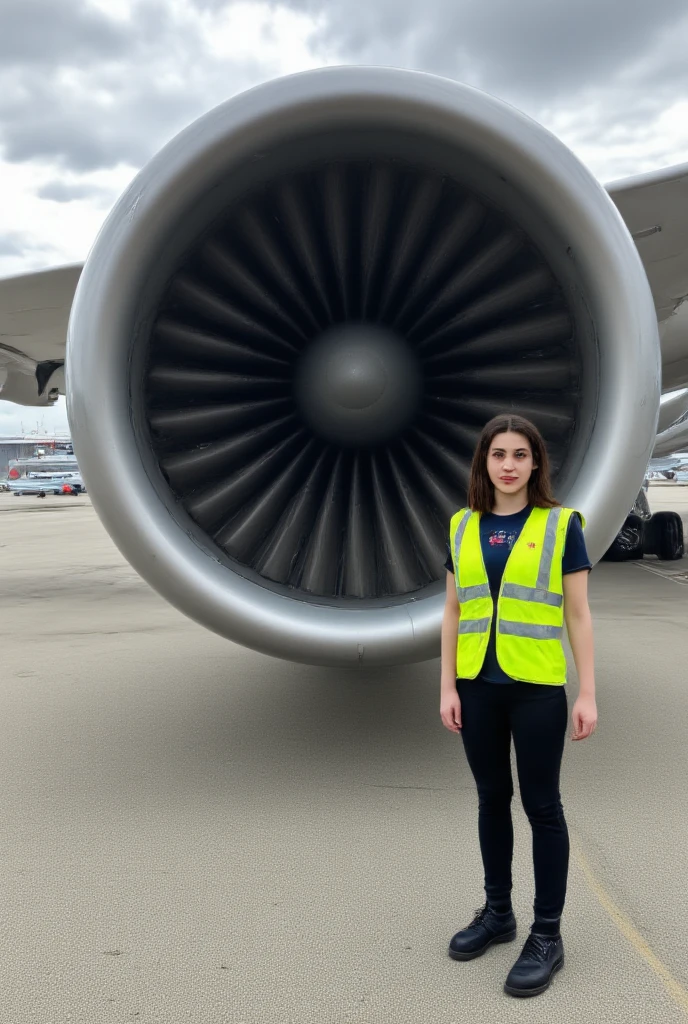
column 450, row 711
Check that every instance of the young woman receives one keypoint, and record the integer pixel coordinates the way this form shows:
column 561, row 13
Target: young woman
column 517, row 568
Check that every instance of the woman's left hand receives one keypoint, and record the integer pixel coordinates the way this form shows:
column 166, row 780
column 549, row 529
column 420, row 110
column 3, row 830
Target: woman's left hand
column 584, row 717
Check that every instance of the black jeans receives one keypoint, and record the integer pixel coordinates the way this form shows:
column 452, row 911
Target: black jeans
column 536, row 716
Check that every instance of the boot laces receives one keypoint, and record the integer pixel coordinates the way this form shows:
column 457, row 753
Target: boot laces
column 537, row 948
column 480, row 915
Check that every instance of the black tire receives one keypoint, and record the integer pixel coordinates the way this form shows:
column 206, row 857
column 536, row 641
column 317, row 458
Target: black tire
column 41, row 494
column 628, row 543
column 664, row 536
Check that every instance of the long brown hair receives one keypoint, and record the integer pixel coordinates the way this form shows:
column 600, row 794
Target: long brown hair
column 481, row 493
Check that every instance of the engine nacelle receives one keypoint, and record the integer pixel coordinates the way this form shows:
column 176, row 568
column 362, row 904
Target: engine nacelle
column 294, row 324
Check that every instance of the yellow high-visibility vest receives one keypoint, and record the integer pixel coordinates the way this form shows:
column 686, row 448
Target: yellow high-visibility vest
column 530, row 607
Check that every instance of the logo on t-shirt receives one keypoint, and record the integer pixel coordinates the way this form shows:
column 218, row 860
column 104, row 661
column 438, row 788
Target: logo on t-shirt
column 502, row 537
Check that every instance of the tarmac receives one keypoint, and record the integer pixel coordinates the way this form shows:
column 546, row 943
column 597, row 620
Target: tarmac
column 190, row 831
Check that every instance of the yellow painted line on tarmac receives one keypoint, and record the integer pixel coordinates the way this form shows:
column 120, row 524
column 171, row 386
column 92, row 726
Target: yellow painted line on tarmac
column 677, row 992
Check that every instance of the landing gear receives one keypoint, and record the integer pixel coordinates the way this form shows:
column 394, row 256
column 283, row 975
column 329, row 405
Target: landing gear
column 642, row 534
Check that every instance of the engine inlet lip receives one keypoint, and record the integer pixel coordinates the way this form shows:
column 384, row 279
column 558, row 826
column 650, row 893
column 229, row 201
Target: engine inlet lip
column 109, row 315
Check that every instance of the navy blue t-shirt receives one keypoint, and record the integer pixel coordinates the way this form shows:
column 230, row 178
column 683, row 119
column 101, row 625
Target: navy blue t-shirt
column 498, row 534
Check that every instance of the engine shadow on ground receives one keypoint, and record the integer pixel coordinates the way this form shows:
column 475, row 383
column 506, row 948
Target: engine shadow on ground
column 282, row 729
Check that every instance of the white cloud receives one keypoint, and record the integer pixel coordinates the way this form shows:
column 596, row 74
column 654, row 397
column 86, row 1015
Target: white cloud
column 74, row 131
column 90, row 89
column 246, row 30
column 47, row 232
column 621, row 149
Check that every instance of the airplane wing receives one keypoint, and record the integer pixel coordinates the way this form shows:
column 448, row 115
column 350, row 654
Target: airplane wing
column 655, row 209
column 34, row 312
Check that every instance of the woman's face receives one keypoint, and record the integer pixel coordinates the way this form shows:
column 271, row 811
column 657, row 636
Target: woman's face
column 510, row 462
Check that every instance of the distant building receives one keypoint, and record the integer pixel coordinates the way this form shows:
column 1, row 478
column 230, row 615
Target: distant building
column 26, row 446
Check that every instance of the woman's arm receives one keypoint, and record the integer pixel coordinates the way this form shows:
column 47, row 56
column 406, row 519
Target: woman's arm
column 450, row 705
column 579, row 628
column 450, row 626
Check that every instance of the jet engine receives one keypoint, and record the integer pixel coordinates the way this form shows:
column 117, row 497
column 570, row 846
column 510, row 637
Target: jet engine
column 294, row 324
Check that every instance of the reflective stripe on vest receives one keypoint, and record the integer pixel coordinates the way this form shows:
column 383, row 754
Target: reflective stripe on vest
column 530, row 608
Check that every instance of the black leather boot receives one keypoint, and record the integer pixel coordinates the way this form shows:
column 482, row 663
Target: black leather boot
column 485, row 930
column 541, row 957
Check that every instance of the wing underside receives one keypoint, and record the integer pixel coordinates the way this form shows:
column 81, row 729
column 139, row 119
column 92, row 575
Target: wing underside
column 34, row 313
column 655, row 209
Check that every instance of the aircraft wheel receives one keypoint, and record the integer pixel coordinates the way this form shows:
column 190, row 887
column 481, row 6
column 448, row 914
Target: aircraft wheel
column 666, row 536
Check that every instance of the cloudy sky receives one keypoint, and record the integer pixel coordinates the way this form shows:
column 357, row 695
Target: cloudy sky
column 90, row 89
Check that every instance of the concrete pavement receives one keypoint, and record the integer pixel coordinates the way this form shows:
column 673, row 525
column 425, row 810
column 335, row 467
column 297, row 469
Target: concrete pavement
column 193, row 832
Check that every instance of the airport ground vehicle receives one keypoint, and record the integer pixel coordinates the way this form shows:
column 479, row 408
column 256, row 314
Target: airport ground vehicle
column 43, row 475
